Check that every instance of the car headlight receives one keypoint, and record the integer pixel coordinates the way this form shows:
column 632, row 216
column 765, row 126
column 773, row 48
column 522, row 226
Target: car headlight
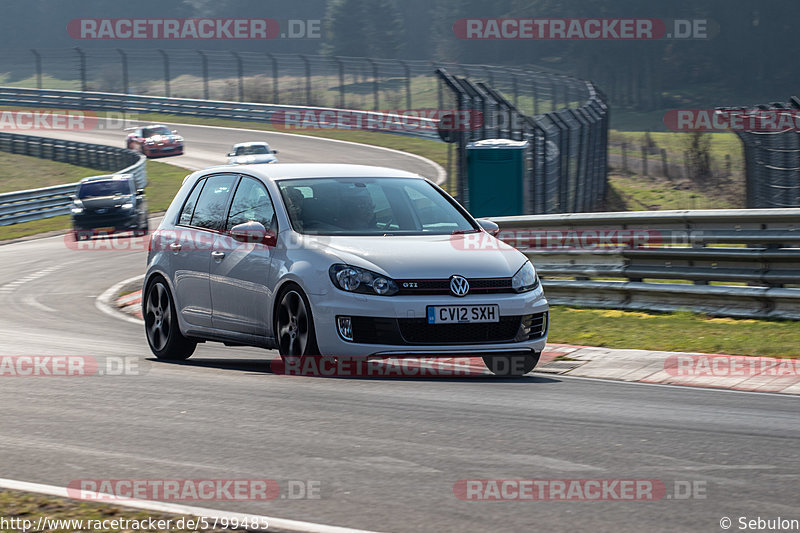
column 128, row 205
column 354, row 279
column 77, row 207
column 525, row 279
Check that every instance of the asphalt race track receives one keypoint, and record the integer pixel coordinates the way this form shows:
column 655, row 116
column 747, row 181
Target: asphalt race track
column 386, row 453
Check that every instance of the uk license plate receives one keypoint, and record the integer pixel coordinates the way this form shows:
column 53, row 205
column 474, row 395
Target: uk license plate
column 463, row 314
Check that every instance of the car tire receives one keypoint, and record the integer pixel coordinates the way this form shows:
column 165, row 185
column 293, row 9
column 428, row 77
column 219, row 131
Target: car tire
column 294, row 324
column 512, row 365
column 161, row 324
column 141, row 230
column 80, row 235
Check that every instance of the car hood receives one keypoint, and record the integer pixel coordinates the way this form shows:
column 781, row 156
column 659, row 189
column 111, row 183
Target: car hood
column 165, row 138
column 99, row 202
column 252, row 159
column 476, row 255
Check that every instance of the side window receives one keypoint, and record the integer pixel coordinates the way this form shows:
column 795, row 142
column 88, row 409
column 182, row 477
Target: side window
column 209, row 212
column 188, row 207
column 251, row 202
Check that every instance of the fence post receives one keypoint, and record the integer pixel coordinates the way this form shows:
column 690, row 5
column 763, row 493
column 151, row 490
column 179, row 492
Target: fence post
column 407, row 71
column 515, row 88
column 644, row 160
column 624, row 157
column 82, row 67
column 239, row 73
column 124, row 58
column 38, row 62
column 165, row 58
column 275, row 95
column 307, row 64
column 204, row 60
column 340, row 67
column 375, row 84
column 664, row 165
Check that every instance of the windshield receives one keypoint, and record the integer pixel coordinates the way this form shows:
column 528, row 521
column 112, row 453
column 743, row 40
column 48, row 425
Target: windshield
column 252, row 150
column 93, row 189
column 370, row 206
column 159, row 130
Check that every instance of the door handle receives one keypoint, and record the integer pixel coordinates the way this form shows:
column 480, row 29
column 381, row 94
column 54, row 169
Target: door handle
column 218, row 255
column 175, row 247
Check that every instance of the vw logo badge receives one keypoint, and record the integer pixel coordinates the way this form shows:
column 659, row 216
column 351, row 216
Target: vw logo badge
column 459, row 286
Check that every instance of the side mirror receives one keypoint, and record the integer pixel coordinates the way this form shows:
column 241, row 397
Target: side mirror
column 489, row 227
column 273, row 151
column 253, row 232
column 174, row 131
column 231, row 154
column 139, row 192
column 73, row 197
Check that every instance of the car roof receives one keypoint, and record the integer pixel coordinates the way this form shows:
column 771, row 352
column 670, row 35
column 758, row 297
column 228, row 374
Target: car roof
column 251, row 143
column 107, row 177
column 271, row 171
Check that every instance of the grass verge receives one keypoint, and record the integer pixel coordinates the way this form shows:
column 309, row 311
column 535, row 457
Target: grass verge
column 21, row 172
column 164, row 180
column 674, row 332
column 26, row 506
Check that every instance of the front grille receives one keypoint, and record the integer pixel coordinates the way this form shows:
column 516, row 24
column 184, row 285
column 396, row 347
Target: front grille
column 442, row 286
column 418, row 331
column 95, row 220
column 407, row 331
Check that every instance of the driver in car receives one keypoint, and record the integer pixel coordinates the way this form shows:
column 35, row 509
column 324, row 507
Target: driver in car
column 358, row 212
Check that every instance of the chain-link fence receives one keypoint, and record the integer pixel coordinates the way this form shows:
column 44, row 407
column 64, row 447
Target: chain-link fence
column 771, row 153
column 290, row 79
column 567, row 147
column 564, row 119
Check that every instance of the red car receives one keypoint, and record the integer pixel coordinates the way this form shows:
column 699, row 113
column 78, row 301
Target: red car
column 155, row 140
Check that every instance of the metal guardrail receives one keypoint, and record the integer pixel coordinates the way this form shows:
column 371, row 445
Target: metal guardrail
column 47, row 202
column 740, row 263
column 323, row 117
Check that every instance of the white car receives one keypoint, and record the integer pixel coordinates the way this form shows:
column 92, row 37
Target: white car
column 338, row 260
column 251, row 153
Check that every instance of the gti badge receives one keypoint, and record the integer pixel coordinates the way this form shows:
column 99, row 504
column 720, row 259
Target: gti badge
column 459, row 285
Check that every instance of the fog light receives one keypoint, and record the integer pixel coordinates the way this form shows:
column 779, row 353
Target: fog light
column 345, row 325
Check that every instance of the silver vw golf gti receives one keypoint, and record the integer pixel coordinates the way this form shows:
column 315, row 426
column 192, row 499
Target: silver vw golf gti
column 337, row 260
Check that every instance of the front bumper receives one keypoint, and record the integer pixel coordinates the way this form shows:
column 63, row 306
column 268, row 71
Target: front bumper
column 117, row 221
column 163, row 149
column 401, row 327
